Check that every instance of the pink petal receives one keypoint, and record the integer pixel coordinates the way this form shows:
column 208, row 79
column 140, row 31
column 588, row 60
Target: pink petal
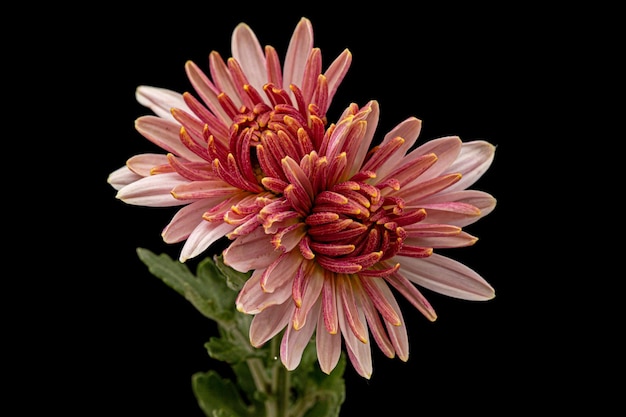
column 408, row 130
column 186, row 220
column 160, row 100
column 328, row 347
column 247, row 51
column 298, row 52
column 144, row 163
column 206, row 90
column 313, row 282
column 252, row 251
column 269, row 322
column 447, row 150
column 359, row 352
column 336, row 73
column 295, row 341
column 459, row 240
column 121, row 177
column 472, row 206
column 153, row 191
column 446, row 276
column 473, row 161
column 166, row 135
column 253, row 300
column 205, row 234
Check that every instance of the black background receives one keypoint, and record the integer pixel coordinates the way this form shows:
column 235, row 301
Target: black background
column 128, row 344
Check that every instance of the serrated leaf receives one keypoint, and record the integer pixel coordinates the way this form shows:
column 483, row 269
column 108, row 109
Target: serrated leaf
column 226, row 351
column 234, row 279
column 207, row 292
column 218, row 396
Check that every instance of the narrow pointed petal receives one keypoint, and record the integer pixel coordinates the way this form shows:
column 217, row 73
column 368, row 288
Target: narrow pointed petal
column 295, row 341
column 165, row 134
column 408, row 130
column 153, row 191
column 247, row 51
column 472, row 205
column 359, row 352
column 186, row 220
column 160, row 100
column 205, row 234
column 446, row 276
column 298, row 51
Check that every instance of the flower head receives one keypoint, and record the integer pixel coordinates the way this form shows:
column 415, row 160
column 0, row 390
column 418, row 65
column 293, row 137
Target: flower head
column 348, row 226
column 219, row 146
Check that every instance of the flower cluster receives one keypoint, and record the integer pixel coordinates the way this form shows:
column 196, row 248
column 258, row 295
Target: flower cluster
column 330, row 225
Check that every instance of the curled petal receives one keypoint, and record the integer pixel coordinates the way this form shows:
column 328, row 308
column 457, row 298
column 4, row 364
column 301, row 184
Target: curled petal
column 160, row 100
column 269, row 322
column 252, row 251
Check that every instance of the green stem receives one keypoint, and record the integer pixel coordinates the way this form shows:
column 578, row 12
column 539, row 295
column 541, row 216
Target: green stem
column 281, row 381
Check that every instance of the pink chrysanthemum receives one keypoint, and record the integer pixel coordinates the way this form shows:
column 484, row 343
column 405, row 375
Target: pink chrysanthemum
column 220, row 146
column 348, row 226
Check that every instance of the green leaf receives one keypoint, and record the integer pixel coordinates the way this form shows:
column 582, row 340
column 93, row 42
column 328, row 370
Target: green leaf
column 218, row 397
column 208, row 292
column 229, row 351
column 234, row 279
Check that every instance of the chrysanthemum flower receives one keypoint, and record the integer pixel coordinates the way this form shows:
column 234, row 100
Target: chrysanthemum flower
column 348, row 227
column 249, row 111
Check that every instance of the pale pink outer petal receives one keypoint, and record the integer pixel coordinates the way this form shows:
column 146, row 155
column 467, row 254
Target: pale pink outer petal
column 187, row 219
column 166, row 135
column 377, row 328
column 473, row 161
column 462, row 239
column 253, row 300
column 247, row 50
column 446, row 276
column 269, row 322
column 153, row 191
column 328, row 346
column 409, row 170
column 294, row 341
column 447, row 150
column 298, row 51
column 397, row 334
column 336, row 73
column 205, row 234
column 121, row 177
column 252, row 251
column 160, row 100
column 409, row 130
column 360, row 353
column 412, row 295
column 142, row 164
column 483, row 201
